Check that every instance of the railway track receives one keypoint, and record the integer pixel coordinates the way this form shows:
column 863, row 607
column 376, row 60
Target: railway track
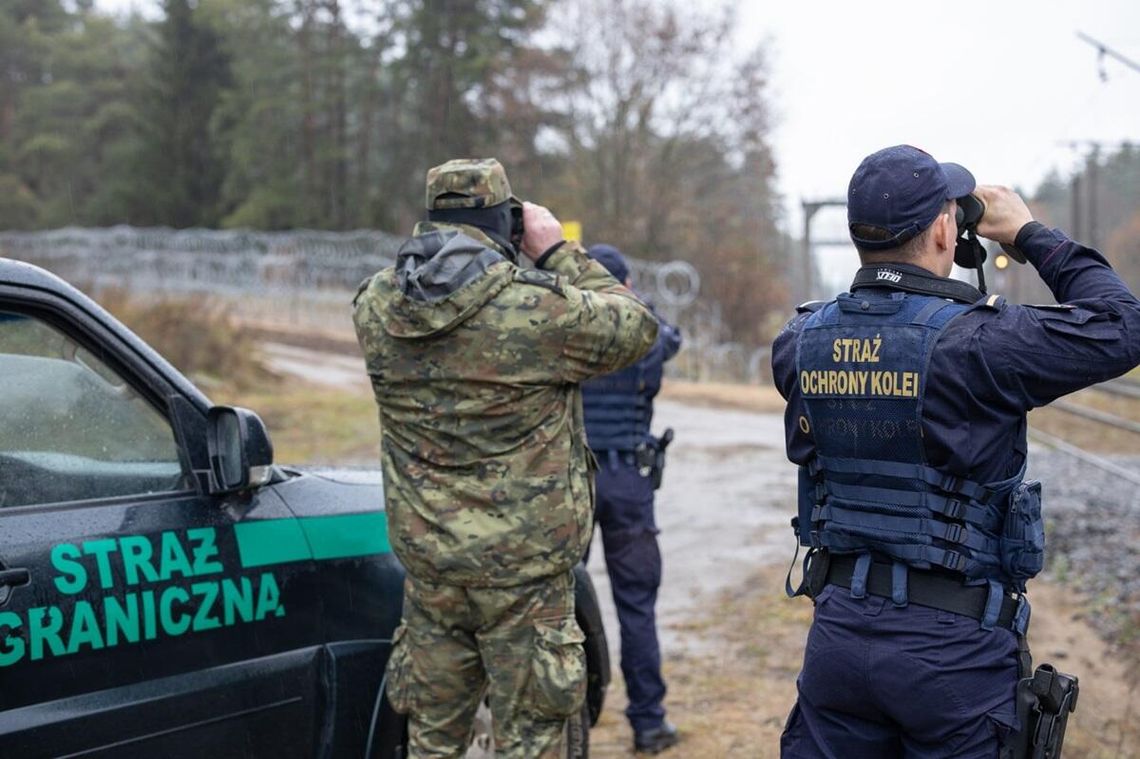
column 1095, row 415
column 1100, row 462
column 1121, row 386
column 1112, row 405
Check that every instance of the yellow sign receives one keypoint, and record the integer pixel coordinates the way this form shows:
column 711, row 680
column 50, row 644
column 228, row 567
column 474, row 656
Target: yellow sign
column 572, row 230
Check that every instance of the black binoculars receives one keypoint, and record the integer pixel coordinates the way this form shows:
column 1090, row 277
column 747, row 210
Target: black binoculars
column 970, row 211
column 517, row 229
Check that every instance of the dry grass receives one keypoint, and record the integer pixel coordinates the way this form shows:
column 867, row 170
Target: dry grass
column 731, row 696
column 1106, row 724
column 311, row 424
column 761, row 399
column 200, row 337
column 329, row 341
column 314, row 425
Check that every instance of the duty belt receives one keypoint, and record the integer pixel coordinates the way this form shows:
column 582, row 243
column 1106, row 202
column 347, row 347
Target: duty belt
column 925, row 589
column 614, row 456
column 643, row 457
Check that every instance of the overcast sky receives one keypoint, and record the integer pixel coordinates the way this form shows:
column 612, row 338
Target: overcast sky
column 1000, row 86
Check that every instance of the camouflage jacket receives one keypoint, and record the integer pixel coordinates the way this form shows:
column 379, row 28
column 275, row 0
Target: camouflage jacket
column 475, row 364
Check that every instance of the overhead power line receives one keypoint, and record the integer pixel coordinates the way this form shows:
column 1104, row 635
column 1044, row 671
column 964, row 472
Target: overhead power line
column 1104, row 51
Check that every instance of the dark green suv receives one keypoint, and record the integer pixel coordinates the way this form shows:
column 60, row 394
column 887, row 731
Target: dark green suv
column 165, row 589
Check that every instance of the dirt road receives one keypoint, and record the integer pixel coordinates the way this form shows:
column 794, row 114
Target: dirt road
column 723, row 510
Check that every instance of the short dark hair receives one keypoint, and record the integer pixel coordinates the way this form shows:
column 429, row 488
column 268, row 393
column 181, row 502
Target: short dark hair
column 908, row 251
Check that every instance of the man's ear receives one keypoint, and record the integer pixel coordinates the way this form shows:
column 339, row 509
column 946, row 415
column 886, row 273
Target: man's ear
column 943, row 232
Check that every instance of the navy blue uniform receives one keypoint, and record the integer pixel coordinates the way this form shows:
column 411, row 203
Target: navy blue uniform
column 618, row 411
column 883, row 677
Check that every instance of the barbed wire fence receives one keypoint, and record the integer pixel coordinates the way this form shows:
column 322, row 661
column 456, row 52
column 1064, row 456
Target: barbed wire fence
column 304, row 280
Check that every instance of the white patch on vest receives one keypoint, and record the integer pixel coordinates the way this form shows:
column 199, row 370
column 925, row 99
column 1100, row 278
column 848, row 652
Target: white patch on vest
column 889, row 275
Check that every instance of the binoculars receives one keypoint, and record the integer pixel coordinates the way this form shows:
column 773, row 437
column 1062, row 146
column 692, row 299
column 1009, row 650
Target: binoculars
column 517, row 228
column 970, row 211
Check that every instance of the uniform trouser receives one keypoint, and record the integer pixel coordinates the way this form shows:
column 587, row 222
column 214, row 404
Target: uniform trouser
column 519, row 645
column 624, row 513
column 880, row 681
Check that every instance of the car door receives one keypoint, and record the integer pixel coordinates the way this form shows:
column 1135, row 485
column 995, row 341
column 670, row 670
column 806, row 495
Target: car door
column 139, row 616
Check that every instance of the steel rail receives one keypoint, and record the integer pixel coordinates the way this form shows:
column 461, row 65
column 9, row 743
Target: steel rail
column 1128, row 388
column 1096, row 415
column 1089, row 458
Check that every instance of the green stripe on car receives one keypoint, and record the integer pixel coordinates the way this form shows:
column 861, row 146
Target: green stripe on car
column 279, row 541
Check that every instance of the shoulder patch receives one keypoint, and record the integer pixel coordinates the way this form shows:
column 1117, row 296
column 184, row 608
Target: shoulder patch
column 810, row 306
column 547, row 280
column 992, row 302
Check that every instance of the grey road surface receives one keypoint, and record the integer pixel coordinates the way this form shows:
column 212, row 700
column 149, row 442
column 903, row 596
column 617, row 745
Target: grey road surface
column 723, row 509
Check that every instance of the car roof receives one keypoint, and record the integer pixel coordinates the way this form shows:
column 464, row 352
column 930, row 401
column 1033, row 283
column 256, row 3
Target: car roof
column 22, row 273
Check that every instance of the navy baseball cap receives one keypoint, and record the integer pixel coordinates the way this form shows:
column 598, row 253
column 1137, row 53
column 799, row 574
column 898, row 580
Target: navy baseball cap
column 611, row 258
column 900, row 190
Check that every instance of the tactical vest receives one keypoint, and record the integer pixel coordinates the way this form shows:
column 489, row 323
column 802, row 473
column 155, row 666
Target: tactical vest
column 862, row 370
column 618, row 409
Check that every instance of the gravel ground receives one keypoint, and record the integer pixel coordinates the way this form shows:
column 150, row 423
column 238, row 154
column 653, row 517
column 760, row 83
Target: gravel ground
column 1093, row 538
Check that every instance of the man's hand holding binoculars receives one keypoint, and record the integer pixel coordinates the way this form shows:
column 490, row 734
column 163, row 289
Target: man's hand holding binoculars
column 541, row 230
column 1005, row 213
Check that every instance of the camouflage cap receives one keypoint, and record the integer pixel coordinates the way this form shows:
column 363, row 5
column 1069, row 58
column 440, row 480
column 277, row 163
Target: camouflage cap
column 467, row 183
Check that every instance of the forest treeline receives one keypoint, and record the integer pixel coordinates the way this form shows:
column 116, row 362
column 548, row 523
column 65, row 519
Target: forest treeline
column 639, row 118
column 1099, row 204
column 642, row 119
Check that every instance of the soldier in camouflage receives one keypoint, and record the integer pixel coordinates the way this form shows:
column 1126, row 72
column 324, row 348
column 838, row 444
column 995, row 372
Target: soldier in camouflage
column 475, row 364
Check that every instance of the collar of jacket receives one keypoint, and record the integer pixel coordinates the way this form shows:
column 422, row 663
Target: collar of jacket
column 437, row 264
column 427, row 227
column 914, row 279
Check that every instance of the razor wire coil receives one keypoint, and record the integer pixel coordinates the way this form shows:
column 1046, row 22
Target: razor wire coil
column 307, row 278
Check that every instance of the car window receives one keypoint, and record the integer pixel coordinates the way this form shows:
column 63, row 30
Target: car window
column 71, row 428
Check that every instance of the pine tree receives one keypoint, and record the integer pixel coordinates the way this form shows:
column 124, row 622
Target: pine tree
column 180, row 166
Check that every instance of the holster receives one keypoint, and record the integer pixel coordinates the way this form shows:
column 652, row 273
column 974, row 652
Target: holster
column 650, row 457
column 1045, row 699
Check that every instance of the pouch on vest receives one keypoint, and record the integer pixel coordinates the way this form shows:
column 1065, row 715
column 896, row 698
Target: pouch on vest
column 1023, row 535
column 807, row 500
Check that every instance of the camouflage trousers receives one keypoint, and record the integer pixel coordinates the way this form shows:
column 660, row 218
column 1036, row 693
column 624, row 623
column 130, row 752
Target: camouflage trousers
column 520, row 646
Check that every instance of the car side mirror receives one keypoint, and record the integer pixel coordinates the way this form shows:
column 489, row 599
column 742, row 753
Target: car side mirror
column 240, row 452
